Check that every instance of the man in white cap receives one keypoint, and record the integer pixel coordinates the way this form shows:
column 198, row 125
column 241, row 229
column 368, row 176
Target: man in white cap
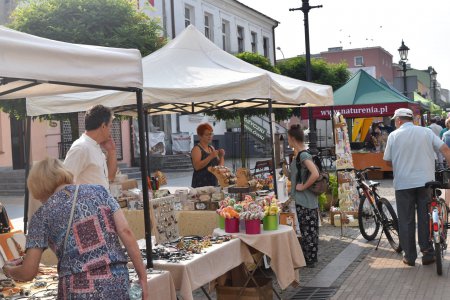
column 411, row 151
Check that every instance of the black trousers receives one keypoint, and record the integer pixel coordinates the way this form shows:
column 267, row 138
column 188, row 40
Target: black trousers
column 308, row 220
column 407, row 202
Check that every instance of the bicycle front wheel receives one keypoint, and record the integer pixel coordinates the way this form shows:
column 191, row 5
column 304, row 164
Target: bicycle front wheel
column 390, row 224
column 367, row 220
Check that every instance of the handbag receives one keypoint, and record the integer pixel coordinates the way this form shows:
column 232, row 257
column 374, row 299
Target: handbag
column 321, row 185
column 69, row 225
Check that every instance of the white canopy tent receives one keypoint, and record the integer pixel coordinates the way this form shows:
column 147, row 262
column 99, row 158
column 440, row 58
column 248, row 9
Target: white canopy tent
column 191, row 75
column 33, row 66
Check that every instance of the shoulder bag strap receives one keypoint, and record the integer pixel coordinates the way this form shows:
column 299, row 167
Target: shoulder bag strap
column 69, row 225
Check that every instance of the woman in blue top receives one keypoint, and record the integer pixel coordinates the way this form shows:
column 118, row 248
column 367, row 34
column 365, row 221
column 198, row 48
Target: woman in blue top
column 91, row 264
column 306, row 202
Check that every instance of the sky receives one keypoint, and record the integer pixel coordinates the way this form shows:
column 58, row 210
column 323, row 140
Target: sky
column 423, row 25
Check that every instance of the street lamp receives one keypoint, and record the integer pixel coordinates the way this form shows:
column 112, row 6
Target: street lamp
column 279, row 49
column 312, row 123
column 433, row 75
column 403, row 51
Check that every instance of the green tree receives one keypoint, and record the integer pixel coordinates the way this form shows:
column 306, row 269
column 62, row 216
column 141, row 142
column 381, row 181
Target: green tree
column 322, row 72
column 109, row 23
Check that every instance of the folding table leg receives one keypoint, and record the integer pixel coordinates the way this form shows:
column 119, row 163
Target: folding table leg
column 206, row 293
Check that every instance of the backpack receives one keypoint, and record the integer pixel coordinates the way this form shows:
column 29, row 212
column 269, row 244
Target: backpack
column 321, row 185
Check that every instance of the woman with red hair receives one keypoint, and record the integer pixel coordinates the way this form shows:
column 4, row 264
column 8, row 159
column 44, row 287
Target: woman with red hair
column 204, row 155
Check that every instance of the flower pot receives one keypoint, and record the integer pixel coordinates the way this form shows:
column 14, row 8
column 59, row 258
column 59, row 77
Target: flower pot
column 270, row 222
column 232, row 225
column 253, row 226
column 221, row 222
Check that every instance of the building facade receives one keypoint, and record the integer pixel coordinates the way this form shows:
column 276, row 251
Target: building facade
column 6, row 7
column 374, row 60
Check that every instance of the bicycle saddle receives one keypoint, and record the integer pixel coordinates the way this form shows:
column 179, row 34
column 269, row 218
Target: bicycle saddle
column 373, row 183
column 433, row 184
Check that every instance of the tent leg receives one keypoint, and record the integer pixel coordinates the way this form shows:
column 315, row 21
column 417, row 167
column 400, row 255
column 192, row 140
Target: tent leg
column 143, row 159
column 147, row 140
column 274, row 173
column 27, row 171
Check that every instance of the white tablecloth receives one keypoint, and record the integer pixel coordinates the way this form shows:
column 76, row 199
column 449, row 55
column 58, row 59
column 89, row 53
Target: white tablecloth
column 202, row 268
column 281, row 246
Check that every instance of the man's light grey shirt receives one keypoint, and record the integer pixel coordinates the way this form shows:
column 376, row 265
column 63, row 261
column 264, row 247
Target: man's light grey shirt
column 412, row 152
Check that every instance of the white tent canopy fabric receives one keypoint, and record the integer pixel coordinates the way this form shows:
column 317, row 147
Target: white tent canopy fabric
column 34, row 66
column 191, row 74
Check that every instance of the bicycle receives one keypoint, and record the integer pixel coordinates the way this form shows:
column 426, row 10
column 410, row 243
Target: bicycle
column 375, row 212
column 438, row 216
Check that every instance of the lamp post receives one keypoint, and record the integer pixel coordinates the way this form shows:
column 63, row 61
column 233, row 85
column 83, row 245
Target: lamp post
column 312, row 136
column 403, row 51
column 279, row 49
column 433, row 75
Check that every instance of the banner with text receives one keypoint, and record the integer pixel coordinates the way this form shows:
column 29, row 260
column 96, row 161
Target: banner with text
column 356, row 111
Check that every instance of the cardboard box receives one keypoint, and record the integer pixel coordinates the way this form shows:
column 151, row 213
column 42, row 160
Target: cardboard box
column 264, row 292
column 344, row 217
column 129, row 184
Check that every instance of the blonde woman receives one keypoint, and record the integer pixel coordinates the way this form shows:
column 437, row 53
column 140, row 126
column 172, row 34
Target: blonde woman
column 91, row 262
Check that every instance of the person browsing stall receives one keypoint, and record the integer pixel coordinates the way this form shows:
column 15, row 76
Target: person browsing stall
column 85, row 158
column 411, row 151
column 203, row 156
column 82, row 224
column 306, row 202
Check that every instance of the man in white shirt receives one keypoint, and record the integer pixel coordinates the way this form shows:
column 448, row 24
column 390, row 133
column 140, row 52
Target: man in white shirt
column 411, row 150
column 435, row 127
column 85, row 158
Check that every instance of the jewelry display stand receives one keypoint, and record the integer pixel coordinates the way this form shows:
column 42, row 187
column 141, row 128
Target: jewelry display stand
column 166, row 224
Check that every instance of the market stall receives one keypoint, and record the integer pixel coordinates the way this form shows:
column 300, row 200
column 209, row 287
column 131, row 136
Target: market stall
column 209, row 80
column 365, row 97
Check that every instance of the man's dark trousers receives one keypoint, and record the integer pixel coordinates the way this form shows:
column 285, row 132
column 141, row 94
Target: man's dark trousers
column 407, row 200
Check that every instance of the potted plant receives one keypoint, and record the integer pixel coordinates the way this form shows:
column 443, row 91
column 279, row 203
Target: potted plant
column 271, row 213
column 252, row 213
column 229, row 211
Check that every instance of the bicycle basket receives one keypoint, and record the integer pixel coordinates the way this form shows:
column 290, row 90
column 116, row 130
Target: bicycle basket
column 443, row 176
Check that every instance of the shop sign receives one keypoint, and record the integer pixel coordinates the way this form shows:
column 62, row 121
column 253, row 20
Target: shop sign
column 255, row 129
column 354, row 111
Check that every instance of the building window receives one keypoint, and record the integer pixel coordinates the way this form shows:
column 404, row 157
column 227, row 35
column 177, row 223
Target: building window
column 240, row 39
column 254, row 42
column 266, row 46
column 188, row 15
column 359, row 61
column 209, row 26
column 225, row 35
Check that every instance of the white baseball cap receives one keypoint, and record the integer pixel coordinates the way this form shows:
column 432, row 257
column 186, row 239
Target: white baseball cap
column 403, row 112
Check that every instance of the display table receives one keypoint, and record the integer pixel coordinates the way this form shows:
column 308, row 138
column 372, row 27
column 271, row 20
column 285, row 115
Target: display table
column 196, row 222
column 192, row 274
column 363, row 160
column 160, row 285
column 283, row 249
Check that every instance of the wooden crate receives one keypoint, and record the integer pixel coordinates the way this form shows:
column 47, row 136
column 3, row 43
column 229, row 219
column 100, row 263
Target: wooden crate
column 343, row 217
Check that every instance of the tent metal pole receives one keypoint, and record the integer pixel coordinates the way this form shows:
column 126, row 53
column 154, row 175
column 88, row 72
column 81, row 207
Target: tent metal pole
column 143, row 159
column 147, row 140
column 274, row 173
column 27, row 171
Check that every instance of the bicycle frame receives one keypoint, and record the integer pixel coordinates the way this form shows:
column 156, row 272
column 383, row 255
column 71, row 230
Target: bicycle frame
column 435, row 222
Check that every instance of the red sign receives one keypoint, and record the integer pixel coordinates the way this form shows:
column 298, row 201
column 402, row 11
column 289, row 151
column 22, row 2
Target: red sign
column 356, row 111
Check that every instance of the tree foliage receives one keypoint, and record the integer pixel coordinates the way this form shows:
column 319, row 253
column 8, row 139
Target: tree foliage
column 322, row 72
column 109, row 23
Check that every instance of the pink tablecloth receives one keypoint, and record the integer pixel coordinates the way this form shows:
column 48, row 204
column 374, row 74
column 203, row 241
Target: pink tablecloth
column 282, row 247
column 203, row 268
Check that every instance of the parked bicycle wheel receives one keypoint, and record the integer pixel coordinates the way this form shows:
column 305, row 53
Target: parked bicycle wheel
column 440, row 247
column 390, row 224
column 367, row 219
